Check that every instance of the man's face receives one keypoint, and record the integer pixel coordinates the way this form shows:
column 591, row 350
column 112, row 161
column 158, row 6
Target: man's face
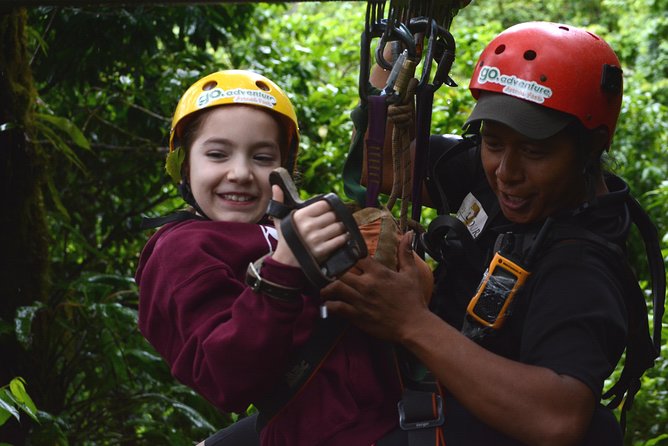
column 532, row 179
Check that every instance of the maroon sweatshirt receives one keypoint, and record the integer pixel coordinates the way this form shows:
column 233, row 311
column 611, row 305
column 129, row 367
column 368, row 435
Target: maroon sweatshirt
column 231, row 344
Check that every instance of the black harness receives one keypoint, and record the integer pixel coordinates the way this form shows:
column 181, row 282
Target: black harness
column 448, row 237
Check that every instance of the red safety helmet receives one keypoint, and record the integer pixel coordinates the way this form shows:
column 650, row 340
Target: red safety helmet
column 557, row 66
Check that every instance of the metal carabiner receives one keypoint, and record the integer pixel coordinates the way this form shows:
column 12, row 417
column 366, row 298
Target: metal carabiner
column 372, row 28
column 403, row 35
column 440, row 47
column 445, row 62
column 371, row 31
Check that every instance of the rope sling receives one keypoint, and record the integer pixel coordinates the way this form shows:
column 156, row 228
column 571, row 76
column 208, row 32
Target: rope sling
column 418, row 32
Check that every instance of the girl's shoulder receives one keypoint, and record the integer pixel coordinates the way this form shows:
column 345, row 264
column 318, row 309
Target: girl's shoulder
column 222, row 240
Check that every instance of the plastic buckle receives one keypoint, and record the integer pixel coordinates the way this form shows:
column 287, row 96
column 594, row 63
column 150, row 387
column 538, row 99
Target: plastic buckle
column 422, row 424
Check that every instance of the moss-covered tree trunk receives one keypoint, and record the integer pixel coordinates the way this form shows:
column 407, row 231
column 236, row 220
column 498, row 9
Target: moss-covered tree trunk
column 23, row 231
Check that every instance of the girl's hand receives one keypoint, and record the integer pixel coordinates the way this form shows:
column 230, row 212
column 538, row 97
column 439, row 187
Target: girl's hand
column 318, row 227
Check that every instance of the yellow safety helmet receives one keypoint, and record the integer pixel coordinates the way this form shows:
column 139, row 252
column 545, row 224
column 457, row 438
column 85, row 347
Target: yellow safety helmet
column 233, row 87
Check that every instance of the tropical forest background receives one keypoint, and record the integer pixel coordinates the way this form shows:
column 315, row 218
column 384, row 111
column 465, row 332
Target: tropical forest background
column 93, row 89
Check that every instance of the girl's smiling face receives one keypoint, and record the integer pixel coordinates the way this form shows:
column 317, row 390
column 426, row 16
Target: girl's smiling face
column 235, row 149
column 532, row 179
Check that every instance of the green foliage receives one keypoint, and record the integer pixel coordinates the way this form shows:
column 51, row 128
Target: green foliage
column 15, row 398
column 108, row 82
column 98, row 373
column 319, row 71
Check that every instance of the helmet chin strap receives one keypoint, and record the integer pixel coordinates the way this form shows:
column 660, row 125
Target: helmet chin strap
column 187, row 194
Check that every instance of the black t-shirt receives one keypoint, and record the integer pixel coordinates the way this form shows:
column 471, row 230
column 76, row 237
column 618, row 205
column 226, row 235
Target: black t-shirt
column 570, row 316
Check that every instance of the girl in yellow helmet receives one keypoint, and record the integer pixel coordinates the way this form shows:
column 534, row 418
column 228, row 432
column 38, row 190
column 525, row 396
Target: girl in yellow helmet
column 219, row 335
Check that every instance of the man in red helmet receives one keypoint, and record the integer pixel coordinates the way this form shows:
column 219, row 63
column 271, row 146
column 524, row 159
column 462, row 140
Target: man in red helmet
column 529, row 189
column 534, row 302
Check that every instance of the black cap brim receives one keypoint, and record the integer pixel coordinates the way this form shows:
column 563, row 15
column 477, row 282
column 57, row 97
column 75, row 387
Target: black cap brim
column 528, row 118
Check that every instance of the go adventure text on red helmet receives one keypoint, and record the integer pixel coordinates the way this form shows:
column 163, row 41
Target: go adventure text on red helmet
column 230, row 87
column 558, row 66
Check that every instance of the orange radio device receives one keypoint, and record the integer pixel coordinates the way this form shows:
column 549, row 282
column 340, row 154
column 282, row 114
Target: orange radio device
column 502, row 280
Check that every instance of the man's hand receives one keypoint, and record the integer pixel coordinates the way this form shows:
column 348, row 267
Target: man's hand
column 380, row 301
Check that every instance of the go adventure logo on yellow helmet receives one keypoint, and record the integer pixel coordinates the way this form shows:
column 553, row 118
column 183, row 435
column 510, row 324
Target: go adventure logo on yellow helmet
column 226, row 88
column 238, row 95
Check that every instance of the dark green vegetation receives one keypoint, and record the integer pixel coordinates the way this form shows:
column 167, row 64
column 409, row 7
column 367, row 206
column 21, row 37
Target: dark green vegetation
column 95, row 88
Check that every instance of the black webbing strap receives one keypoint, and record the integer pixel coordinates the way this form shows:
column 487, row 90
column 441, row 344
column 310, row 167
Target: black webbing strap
column 301, row 367
column 418, row 409
column 641, row 350
column 424, row 102
column 421, row 417
column 657, row 269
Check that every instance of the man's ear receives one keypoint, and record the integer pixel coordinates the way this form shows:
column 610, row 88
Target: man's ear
column 600, row 141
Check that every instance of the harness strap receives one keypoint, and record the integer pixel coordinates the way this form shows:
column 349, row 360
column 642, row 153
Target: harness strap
column 301, row 368
column 353, row 165
column 420, row 410
column 657, row 269
column 421, row 419
column 425, row 100
column 328, row 332
column 641, row 350
column 377, row 106
column 424, row 104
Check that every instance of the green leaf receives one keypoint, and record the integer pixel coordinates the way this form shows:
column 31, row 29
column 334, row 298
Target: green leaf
column 7, row 407
column 17, row 387
column 174, row 163
column 66, row 126
column 55, row 197
column 194, row 416
column 656, row 441
column 60, row 145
